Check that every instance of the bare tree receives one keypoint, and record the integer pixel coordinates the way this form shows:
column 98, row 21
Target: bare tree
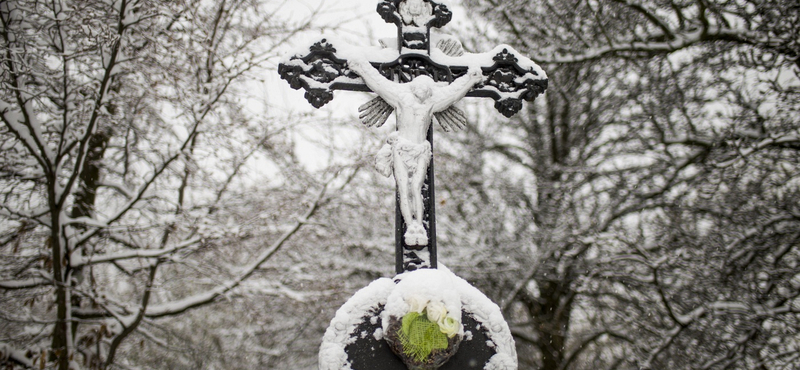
column 646, row 203
column 129, row 165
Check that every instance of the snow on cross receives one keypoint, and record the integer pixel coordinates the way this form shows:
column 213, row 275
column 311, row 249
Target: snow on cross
column 418, row 51
column 419, row 75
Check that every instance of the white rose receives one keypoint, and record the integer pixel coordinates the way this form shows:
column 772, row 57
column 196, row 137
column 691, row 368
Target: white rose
column 416, row 304
column 449, row 326
column 436, row 311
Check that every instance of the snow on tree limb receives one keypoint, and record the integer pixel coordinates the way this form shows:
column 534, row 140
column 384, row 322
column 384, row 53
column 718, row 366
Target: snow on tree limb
column 79, row 261
column 13, row 355
column 24, row 284
column 137, row 195
column 131, row 327
column 652, row 28
column 19, row 122
column 88, row 211
column 109, row 65
column 650, row 14
column 202, row 299
column 680, row 41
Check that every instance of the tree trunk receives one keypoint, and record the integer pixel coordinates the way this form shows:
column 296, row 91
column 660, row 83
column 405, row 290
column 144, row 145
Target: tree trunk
column 550, row 315
column 61, row 331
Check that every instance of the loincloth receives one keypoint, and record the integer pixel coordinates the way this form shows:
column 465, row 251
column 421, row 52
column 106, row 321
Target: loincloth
column 412, row 154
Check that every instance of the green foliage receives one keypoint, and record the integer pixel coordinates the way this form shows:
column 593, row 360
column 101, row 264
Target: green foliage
column 420, row 336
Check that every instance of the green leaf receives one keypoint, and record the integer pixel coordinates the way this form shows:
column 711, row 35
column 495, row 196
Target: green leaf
column 420, row 336
column 407, row 320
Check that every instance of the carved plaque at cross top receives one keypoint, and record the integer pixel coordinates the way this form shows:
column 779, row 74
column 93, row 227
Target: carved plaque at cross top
column 419, row 75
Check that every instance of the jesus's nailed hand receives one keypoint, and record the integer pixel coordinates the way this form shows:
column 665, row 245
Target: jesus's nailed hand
column 357, row 65
column 475, row 73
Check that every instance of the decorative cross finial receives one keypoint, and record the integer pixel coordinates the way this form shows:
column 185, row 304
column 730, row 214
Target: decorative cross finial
column 414, row 20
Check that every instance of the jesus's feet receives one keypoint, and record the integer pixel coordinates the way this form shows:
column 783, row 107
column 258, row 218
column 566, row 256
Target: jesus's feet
column 415, row 235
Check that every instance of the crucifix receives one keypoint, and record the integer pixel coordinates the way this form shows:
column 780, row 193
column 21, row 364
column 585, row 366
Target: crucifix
column 426, row 317
column 419, row 75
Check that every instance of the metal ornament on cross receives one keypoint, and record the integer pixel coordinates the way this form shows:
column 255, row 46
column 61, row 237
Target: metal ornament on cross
column 419, row 75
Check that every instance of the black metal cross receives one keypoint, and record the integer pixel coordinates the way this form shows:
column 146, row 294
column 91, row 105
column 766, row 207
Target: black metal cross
column 418, row 50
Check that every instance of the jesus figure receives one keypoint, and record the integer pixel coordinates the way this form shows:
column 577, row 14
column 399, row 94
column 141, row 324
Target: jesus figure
column 407, row 153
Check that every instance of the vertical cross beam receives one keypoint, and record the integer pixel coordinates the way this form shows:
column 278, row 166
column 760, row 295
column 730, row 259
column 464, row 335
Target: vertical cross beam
column 414, row 20
column 407, row 257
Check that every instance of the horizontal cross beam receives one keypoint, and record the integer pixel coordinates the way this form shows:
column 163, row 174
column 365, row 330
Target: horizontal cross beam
column 509, row 78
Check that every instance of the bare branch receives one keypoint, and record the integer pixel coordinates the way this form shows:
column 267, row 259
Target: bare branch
column 9, row 354
column 174, row 308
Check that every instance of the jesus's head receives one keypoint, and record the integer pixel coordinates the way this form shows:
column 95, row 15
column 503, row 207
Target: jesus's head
column 422, row 88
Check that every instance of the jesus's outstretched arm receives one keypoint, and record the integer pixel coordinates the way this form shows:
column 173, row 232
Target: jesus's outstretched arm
column 446, row 96
column 387, row 89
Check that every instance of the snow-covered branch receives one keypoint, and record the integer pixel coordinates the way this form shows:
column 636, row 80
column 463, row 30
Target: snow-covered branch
column 585, row 344
column 79, row 261
column 24, row 284
column 779, row 141
column 137, row 196
column 35, row 215
column 650, row 14
column 110, row 65
column 737, row 252
column 671, row 335
column 13, row 355
column 131, row 326
column 198, row 300
column 18, row 122
column 119, row 188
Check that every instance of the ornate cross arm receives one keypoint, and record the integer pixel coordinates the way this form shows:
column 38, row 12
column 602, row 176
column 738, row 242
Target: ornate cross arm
column 509, row 77
column 319, row 73
column 509, row 80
